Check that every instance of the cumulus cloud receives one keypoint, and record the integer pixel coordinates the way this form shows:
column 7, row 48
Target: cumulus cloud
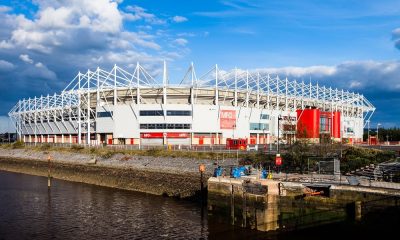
column 4, row 9
column 25, row 58
column 41, row 52
column 5, row 66
column 135, row 13
column 179, row 19
column 352, row 75
column 181, row 41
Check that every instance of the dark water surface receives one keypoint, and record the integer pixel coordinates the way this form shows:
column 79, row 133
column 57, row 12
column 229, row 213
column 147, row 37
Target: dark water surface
column 82, row 211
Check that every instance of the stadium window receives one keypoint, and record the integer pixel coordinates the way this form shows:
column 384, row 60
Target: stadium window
column 164, row 126
column 264, row 116
column 179, row 113
column 104, row 114
column 259, row 126
column 151, row 113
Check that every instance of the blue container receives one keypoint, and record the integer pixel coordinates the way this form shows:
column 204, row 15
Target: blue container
column 218, row 171
column 264, row 174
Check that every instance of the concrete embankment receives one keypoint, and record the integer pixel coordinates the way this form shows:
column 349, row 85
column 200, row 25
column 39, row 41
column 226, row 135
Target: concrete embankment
column 160, row 176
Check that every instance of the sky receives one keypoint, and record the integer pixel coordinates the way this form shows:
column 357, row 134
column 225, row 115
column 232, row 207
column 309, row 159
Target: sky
column 348, row 44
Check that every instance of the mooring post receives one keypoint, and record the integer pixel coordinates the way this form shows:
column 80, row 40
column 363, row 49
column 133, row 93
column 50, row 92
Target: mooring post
column 357, row 210
column 49, row 172
column 202, row 169
column 232, row 205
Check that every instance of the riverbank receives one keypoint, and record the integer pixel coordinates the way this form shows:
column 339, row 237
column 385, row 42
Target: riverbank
column 175, row 177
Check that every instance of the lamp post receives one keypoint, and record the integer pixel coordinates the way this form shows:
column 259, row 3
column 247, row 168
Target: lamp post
column 368, row 133
column 279, row 118
column 377, row 132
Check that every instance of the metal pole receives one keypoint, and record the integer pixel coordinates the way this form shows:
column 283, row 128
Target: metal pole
column 368, row 133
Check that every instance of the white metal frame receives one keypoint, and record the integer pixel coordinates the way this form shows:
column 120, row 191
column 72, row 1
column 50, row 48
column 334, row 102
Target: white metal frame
column 73, row 105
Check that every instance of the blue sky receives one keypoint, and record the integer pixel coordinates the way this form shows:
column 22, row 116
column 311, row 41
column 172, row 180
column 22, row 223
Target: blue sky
column 343, row 43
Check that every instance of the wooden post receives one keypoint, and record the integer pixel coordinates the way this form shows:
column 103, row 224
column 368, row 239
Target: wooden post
column 202, row 169
column 49, row 172
column 357, row 209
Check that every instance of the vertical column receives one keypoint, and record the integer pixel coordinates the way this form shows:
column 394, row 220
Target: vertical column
column 165, row 84
column 258, row 90
column 88, row 109
column 79, row 109
column 268, row 92
column 286, row 94
column 216, row 85
column 247, row 88
column 236, row 102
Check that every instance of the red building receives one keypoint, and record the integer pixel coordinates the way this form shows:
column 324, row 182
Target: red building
column 313, row 124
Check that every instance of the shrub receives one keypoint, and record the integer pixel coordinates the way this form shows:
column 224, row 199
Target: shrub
column 45, row 147
column 77, row 147
column 18, row 144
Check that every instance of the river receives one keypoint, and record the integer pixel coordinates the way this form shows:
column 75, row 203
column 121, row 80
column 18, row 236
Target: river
column 28, row 210
column 72, row 210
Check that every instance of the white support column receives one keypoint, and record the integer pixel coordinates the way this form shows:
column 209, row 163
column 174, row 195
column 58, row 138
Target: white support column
column 115, row 85
column 19, row 121
column 296, row 96
column 236, row 95
column 277, row 93
column 268, row 93
column 192, row 86
column 165, row 84
column 247, row 88
column 286, row 94
column 62, row 138
column 98, row 87
column 79, row 109
column 34, row 119
column 70, row 138
column 216, row 85
column 88, row 109
column 138, row 83
column 138, row 97
column 302, row 94
column 258, row 93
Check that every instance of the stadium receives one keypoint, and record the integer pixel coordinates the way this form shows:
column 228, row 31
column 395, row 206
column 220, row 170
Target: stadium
column 134, row 108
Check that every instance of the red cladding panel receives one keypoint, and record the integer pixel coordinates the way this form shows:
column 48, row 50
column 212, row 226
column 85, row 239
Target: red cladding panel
column 336, row 125
column 308, row 123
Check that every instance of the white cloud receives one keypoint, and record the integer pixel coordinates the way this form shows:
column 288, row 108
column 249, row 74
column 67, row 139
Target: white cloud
column 26, row 58
column 356, row 75
column 5, row 9
column 6, row 45
column 179, row 19
column 181, row 41
column 138, row 13
column 302, row 71
column 41, row 52
column 6, row 66
column 39, row 65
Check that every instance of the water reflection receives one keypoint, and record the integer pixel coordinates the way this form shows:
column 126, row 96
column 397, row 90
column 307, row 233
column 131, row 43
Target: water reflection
column 81, row 211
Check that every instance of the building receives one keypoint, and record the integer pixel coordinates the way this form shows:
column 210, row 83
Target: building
column 119, row 107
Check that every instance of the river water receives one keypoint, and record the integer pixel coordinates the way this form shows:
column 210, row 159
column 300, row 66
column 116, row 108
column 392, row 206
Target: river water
column 28, row 210
column 82, row 211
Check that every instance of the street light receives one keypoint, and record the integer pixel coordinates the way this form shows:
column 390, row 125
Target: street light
column 368, row 133
column 377, row 132
column 279, row 118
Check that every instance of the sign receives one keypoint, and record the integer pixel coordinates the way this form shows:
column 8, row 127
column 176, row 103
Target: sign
column 167, row 135
column 227, row 119
column 278, row 160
